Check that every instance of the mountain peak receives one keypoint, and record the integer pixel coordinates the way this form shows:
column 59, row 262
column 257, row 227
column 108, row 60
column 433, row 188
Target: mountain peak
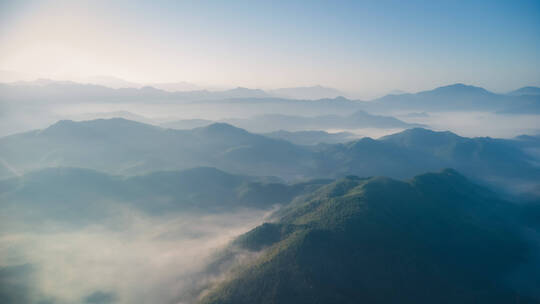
column 340, row 98
column 246, row 90
column 221, row 128
column 420, row 132
column 243, row 89
column 242, row 92
column 420, row 137
column 447, row 181
column 315, row 92
column 102, row 126
column 529, row 90
column 150, row 89
column 460, row 88
column 447, row 173
column 404, row 234
column 99, row 121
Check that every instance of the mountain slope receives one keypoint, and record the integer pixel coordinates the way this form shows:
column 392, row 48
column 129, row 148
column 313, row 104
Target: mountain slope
column 77, row 195
column 434, row 239
column 356, row 120
column 457, row 97
column 312, row 137
column 68, row 92
column 187, row 124
column 452, row 97
column 121, row 146
column 525, row 91
column 314, row 92
column 493, row 157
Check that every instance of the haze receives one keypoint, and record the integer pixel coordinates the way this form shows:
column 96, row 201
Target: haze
column 364, row 48
column 291, row 152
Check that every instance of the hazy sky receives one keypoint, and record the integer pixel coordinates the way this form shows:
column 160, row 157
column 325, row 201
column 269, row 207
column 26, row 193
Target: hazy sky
column 367, row 47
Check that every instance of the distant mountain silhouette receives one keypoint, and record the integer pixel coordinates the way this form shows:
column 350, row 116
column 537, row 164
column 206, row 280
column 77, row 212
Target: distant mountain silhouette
column 275, row 122
column 117, row 83
column 356, row 120
column 111, row 82
column 525, row 91
column 313, row 137
column 187, row 124
column 396, row 92
column 62, row 91
column 314, row 92
column 456, row 97
column 180, row 86
column 108, row 115
column 529, row 138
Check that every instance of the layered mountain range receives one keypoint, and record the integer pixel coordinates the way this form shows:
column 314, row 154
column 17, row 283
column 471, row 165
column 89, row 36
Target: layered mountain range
column 120, row 146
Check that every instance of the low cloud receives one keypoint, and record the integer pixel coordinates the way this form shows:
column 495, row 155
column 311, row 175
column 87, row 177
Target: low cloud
column 137, row 259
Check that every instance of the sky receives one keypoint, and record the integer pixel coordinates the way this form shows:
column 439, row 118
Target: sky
column 362, row 47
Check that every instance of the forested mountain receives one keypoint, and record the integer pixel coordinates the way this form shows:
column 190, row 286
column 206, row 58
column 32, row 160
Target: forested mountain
column 85, row 196
column 437, row 238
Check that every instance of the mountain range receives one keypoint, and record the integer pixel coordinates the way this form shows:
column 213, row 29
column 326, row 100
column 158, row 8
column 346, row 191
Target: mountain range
column 119, row 146
column 79, row 196
column 525, row 91
column 275, row 122
column 456, row 97
column 65, row 91
column 357, row 120
column 338, row 219
column 461, row 97
column 115, row 90
column 308, row 92
column 313, row 137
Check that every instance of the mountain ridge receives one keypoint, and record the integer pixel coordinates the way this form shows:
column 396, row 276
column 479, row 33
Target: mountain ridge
column 78, row 194
column 382, row 241
column 528, row 90
column 121, row 146
column 457, row 96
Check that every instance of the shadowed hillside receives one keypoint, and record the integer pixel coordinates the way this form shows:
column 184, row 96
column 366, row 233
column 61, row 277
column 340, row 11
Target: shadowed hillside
column 85, row 196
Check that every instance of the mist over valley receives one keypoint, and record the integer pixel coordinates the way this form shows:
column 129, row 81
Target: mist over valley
column 230, row 152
